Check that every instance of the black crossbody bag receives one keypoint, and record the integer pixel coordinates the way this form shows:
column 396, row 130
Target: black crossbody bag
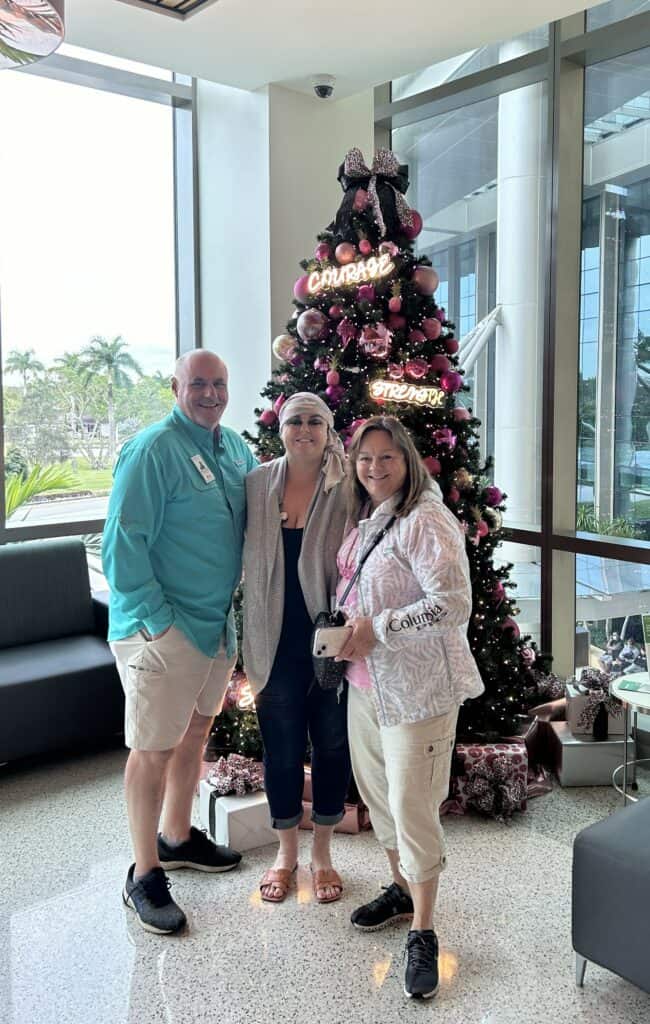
column 329, row 673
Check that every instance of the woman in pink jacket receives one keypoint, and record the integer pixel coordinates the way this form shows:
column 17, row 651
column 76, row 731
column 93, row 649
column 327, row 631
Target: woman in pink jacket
column 410, row 669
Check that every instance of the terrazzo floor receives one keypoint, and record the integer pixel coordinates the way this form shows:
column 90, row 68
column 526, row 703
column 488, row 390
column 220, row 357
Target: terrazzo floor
column 71, row 954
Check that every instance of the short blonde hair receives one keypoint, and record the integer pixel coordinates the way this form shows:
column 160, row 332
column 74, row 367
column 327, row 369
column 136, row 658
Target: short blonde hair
column 417, row 479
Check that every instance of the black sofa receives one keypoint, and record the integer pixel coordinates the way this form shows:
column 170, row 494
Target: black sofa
column 59, row 687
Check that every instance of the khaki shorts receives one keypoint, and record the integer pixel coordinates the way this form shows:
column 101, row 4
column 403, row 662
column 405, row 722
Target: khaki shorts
column 164, row 682
column 402, row 773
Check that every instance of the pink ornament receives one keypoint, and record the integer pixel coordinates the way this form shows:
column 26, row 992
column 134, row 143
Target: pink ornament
column 482, row 528
column 445, row 436
column 441, row 315
column 335, row 394
column 279, row 402
column 432, row 328
column 268, row 418
column 439, row 364
column 493, row 496
column 461, row 414
column 528, row 656
column 312, row 325
column 366, row 293
column 416, row 337
column 345, row 252
column 375, row 341
column 300, row 289
column 365, row 247
column 451, row 345
column 450, row 381
column 296, row 359
column 417, row 368
column 389, row 247
column 333, row 378
column 425, row 280
column 284, row 347
column 395, row 371
column 510, row 626
column 360, row 200
column 323, row 251
column 416, row 227
column 346, row 332
column 354, row 426
column 454, row 495
column 498, row 593
column 336, row 312
column 322, row 364
column 395, row 303
column 396, row 321
column 433, row 465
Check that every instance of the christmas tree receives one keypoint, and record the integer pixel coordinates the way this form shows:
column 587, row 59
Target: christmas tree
column 368, row 337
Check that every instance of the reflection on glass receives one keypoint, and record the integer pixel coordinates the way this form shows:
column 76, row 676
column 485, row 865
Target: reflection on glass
column 611, row 597
column 88, row 291
column 527, row 575
column 614, row 10
column 614, row 373
column 475, row 188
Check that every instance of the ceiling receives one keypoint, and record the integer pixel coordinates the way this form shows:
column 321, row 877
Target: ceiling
column 249, row 43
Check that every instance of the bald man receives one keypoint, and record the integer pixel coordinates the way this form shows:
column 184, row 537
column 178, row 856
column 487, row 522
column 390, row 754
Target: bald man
column 172, row 557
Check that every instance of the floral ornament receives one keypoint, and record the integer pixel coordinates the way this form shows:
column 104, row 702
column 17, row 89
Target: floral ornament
column 445, row 437
column 236, row 774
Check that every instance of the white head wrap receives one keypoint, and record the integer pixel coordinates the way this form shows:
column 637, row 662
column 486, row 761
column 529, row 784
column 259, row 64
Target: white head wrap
column 303, row 403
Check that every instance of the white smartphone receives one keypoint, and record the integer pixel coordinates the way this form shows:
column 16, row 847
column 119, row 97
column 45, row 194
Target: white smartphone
column 329, row 641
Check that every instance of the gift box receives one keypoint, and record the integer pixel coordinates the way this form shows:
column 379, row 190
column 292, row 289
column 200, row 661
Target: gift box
column 242, row 822
column 576, row 702
column 355, row 819
column 491, row 777
column 584, row 761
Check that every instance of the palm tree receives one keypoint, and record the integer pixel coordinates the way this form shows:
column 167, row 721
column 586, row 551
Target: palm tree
column 23, row 363
column 110, row 360
column 20, row 489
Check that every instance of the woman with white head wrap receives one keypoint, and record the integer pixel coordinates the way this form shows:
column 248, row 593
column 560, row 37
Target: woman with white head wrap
column 296, row 521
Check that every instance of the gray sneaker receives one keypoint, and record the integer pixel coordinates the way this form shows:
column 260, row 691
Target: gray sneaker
column 150, row 899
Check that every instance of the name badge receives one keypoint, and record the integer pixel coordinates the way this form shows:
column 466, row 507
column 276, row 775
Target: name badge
column 204, row 470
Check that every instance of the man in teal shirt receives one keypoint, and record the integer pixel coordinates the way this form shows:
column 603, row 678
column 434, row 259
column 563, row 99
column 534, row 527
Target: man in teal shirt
column 172, row 557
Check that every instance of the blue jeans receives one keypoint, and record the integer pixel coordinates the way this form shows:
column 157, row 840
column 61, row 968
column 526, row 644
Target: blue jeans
column 291, row 708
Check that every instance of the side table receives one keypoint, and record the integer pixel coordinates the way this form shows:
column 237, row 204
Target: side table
column 635, row 701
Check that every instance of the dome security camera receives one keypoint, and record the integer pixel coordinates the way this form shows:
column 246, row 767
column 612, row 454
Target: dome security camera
column 323, row 86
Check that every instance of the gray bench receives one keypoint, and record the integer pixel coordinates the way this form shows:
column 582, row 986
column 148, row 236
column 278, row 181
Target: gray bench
column 611, row 895
column 58, row 684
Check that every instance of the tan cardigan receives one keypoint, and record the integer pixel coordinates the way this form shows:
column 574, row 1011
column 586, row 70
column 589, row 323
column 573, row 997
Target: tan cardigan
column 264, row 563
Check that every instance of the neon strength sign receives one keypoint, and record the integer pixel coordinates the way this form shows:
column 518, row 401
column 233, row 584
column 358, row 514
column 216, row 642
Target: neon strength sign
column 372, row 269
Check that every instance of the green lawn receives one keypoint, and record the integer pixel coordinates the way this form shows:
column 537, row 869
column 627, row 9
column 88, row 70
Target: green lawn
column 95, row 480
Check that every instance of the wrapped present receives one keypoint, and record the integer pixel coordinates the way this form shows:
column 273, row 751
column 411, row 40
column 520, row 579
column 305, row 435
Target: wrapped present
column 584, row 761
column 583, row 701
column 356, row 817
column 491, row 778
column 236, row 774
column 242, row 822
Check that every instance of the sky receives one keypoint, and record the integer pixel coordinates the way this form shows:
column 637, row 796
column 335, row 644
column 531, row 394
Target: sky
column 87, row 223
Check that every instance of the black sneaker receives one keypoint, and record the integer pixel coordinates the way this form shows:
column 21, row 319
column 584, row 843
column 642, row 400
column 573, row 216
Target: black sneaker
column 197, row 852
column 153, row 905
column 421, row 980
column 393, row 905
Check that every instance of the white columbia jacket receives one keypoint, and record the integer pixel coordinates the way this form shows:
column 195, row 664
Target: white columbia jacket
column 416, row 587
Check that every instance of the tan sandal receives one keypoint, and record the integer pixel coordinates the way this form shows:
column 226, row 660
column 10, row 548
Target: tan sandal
column 324, row 877
column 281, row 879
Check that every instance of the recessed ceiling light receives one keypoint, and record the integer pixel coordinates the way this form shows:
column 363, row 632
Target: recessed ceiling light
column 177, row 8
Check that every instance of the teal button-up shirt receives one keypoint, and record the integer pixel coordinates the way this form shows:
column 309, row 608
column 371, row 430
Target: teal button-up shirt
column 174, row 532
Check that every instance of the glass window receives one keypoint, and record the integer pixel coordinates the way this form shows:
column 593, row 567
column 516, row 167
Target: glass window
column 87, row 275
column 614, row 385
column 526, row 573
column 611, row 597
column 614, row 10
column 486, row 56
column 474, row 189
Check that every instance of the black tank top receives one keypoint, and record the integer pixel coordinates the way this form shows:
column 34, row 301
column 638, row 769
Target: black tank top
column 296, row 623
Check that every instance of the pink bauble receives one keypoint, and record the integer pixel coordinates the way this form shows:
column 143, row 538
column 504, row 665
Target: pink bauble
column 395, row 371
column 431, row 327
column 323, row 251
column 461, row 414
column 439, row 364
column 482, row 528
column 312, row 325
column 365, row 247
column 268, row 418
column 335, row 394
column 441, row 315
column 454, row 495
column 336, row 312
column 416, row 337
column 366, row 293
column 360, row 200
column 414, row 230
column 279, row 402
column 433, row 465
column 300, row 289
column 333, row 378
column 389, row 247
column 528, row 656
column 345, row 252
column 354, row 426
column 510, row 626
column 451, row 345
column 284, row 346
column 322, row 364
column 417, row 368
column 425, row 280
column 498, row 593
column 493, row 496
column 450, row 381
column 395, row 303
column 396, row 321
column 296, row 359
